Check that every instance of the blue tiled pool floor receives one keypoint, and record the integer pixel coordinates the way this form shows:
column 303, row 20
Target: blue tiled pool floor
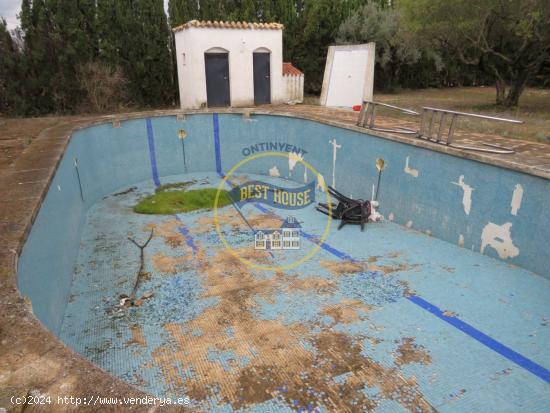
column 385, row 320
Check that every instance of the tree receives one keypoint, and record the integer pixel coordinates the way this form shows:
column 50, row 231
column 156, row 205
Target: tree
column 39, row 61
column 150, row 58
column 508, row 40
column 58, row 36
column 375, row 23
column 74, row 38
column 182, row 11
column 316, row 30
column 134, row 35
column 112, row 30
column 247, row 11
column 11, row 100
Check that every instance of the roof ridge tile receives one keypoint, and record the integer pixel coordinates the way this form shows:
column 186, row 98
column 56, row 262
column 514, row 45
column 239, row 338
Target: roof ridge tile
column 220, row 24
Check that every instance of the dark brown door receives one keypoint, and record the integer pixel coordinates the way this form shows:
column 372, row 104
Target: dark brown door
column 262, row 78
column 217, row 79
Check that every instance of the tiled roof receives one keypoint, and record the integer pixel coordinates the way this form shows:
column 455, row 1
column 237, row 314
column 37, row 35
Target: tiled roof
column 228, row 25
column 289, row 70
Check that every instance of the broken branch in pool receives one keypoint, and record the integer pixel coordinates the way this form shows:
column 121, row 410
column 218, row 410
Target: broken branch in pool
column 141, row 271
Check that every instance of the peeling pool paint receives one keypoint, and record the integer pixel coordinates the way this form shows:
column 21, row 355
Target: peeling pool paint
column 409, row 170
column 274, row 171
column 293, row 159
column 517, row 197
column 335, row 147
column 467, row 194
column 500, row 239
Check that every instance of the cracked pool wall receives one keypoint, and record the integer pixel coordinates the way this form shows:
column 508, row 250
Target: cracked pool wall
column 112, row 158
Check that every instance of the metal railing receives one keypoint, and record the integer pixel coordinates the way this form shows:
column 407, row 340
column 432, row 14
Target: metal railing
column 436, row 125
column 367, row 117
column 436, row 118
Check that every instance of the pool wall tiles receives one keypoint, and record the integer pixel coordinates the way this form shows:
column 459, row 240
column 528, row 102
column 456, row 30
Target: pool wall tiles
column 451, row 198
column 49, row 255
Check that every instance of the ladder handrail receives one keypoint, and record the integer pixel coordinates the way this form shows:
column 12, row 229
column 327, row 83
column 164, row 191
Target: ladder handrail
column 473, row 115
column 367, row 117
column 404, row 110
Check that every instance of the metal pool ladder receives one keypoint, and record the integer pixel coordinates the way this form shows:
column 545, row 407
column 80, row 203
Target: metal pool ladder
column 432, row 120
column 367, row 117
column 435, row 118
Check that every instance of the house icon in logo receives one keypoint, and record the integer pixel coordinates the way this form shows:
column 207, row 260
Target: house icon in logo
column 287, row 237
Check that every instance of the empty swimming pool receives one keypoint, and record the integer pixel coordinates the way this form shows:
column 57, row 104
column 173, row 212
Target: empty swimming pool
column 442, row 306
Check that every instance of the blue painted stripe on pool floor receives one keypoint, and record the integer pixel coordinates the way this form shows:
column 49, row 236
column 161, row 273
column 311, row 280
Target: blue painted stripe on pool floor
column 185, row 232
column 152, row 153
column 217, row 149
column 484, row 339
column 327, row 247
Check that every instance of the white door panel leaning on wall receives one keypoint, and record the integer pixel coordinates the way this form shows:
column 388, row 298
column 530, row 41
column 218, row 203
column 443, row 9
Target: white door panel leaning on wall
column 349, row 75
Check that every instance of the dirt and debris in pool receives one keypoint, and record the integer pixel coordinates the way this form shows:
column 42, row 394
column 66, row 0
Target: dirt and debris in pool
column 126, row 192
column 302, row 366
column 339, row 267
column 410, row 352
column 303, row 339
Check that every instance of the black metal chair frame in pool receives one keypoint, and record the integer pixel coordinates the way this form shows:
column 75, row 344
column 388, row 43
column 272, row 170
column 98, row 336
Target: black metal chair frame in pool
column 349, row 211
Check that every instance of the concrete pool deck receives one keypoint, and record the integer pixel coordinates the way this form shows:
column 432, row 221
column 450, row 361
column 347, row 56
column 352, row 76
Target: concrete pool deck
column 31, row 358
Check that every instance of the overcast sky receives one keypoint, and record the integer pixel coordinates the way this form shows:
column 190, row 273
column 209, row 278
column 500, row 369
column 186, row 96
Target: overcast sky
column 10, row 8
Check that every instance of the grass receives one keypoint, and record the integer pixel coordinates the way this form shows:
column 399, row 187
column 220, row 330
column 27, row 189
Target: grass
column 533, row 109
column 166, row 201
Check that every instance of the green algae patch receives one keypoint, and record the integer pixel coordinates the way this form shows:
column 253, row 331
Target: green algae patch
column 164, row 202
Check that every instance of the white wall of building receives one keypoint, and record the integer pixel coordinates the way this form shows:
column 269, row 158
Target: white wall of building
column 294, row 88
column 193, row 42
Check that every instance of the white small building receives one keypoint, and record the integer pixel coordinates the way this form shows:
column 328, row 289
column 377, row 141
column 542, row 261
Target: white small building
column 231, row 64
